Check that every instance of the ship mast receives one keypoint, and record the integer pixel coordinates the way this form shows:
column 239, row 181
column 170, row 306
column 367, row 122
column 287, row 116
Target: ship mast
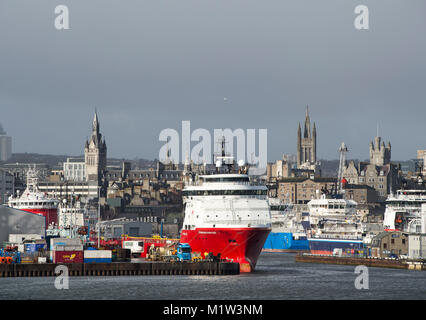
column 222, row 159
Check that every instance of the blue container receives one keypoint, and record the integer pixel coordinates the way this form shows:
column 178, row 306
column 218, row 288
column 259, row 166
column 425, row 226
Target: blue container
column 32, row 247
column 285, row 241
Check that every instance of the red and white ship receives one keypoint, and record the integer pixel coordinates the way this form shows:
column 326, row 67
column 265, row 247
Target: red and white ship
column 226, row 214
column 34, row 201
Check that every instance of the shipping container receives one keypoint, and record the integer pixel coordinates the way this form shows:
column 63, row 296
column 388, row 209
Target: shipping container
column 122, row 254
column 68, row 257
column 97, row 260
column 19, row 238
column 73, row 248
column 97, row 256
column 101, row 254
column 34, row 247
column 64, row 242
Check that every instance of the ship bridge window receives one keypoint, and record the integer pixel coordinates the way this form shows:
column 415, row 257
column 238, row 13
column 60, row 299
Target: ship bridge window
column 225, row 193
column 234, row 179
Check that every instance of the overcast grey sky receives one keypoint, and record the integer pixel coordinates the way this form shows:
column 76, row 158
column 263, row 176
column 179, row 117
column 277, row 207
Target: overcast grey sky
column 146, row 65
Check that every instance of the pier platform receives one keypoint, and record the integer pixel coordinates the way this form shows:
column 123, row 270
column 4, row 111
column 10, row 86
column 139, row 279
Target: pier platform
column 369, row 262
column 121, row 269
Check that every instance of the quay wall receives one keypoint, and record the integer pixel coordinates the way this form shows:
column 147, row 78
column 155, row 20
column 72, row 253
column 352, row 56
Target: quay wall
column 120, row 269
column 369, row 262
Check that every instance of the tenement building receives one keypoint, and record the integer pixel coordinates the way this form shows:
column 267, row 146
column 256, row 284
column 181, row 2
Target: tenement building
column 301, row 190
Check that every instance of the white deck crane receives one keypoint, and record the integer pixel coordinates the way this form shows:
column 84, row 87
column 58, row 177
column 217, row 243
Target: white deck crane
column 343, row 149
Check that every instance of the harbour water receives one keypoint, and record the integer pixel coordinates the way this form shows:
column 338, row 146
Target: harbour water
column 277, row 277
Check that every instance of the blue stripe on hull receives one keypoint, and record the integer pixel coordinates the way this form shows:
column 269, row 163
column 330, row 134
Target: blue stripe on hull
column 330, row 245
column 285, row 241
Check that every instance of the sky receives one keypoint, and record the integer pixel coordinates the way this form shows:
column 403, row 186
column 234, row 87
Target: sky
column 148, row 65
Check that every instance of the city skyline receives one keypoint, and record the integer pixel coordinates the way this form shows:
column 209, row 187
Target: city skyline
column 219, row 65
column 283, row 155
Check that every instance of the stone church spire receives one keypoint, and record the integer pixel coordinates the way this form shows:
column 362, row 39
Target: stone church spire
column 95, row 152
column 307, row 133
column 95, row 124
column 307, row 145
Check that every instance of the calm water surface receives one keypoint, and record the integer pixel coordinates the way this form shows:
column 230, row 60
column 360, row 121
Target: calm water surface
column 277, row 276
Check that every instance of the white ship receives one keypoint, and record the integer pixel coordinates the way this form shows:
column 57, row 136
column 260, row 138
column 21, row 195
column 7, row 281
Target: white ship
column 71, row 218
column 403, row 211
column 334, row 225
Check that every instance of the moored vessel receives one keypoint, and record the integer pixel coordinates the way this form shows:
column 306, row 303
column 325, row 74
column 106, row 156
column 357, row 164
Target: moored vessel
column 334, row 226
column 226, row 214
column 34, row 201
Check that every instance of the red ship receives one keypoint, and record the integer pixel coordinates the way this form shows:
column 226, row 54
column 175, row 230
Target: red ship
column 226, row 214
column 34, row 201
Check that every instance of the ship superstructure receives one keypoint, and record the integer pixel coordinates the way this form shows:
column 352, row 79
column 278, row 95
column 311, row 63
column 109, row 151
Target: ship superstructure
column 403, row 211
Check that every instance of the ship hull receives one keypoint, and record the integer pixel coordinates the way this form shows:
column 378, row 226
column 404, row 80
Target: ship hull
column 327, row 246
column 242, row 245
column 285, row 242
column 51, row 214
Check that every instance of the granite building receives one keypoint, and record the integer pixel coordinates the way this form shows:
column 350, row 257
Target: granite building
column 379, row 173
column 301, row 190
